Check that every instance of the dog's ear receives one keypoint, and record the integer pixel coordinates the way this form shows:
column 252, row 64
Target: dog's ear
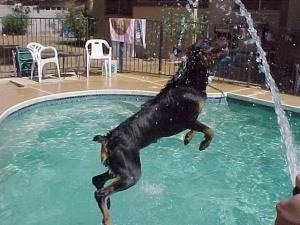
column 99, row 138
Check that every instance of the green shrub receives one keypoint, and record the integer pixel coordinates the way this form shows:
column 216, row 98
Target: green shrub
column 16, row 23
column 74, row 25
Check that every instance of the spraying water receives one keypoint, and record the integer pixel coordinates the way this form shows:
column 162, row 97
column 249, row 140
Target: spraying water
column 288, row 148
column 284, row 126
column 183, row 24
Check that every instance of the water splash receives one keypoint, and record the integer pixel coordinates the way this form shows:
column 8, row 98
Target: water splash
column 183, row 27
column 152, row 189
column 183, row 24
column 284, row 126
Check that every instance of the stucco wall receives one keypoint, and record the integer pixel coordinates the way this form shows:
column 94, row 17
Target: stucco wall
column 217, row 13
column 6, row 9
column 223, row 12
column 36, row 26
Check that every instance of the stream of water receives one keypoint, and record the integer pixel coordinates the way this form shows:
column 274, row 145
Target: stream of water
column 284, row 126
column 288, row 148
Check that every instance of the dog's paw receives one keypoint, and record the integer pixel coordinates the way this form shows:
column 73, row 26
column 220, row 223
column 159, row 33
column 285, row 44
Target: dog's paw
column 100, row 193
column 204, row 144
column 107, row 221
column 186, row 141
column 98, row 182
column 188, row 137
column 99, row 138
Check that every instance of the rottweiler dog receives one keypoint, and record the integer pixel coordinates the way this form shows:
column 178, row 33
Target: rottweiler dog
column 174, row 109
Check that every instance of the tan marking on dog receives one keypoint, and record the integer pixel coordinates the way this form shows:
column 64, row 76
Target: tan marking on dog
column 106, row 216
column 104, row 152
column 189, row 136
column 201, row 105
column 208, row 135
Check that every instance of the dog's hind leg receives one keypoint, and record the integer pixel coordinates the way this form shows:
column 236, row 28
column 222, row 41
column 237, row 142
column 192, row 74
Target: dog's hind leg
column 102, row 195
column 207, row 131
column 100, row 180
column 127, row 173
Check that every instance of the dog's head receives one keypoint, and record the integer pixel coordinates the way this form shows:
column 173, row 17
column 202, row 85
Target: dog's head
column 198, row 60
column 203, row 56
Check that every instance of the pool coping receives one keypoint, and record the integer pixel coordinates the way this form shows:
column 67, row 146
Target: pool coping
column 261, row 102
column 57, row 96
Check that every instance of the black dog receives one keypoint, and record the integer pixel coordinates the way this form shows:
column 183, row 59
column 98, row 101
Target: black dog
column 174, row 109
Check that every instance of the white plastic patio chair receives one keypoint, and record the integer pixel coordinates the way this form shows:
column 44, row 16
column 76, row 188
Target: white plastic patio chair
column 95, row 50
column 42, row 55
column 297, row 81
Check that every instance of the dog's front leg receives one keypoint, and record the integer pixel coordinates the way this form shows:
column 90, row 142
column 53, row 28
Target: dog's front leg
column 207, row 131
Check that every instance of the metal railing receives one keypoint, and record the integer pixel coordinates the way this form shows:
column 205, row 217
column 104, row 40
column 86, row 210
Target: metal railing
column 156, row 58
column 47, row 31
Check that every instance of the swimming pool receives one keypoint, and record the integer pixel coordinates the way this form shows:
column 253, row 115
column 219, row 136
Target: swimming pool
column 47, row 160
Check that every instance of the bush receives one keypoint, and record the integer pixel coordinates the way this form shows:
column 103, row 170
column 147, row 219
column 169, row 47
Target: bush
column 74, row 25
column 16, row 23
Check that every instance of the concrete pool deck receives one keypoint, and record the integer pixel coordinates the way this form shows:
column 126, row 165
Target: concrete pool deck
column 16, row 90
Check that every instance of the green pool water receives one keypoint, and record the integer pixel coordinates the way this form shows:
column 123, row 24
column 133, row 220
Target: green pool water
column 47, row 160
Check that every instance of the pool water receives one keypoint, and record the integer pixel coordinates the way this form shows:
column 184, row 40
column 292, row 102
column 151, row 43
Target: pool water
column 47, row 160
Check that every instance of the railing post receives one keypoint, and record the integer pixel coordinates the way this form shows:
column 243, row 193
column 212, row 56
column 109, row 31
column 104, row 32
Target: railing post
column 121, row 54
column 160, row 48
column 90, row 28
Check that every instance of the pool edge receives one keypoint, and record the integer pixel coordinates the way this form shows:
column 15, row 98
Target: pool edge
column 40, row 99
column 32, row 101
column 262, row 102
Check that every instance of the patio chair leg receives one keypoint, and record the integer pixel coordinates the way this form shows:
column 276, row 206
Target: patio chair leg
column 87, row 68
column 58, row 70
column 32, row 70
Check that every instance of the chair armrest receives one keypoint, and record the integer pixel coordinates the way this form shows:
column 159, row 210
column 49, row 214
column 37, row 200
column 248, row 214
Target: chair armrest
column 49, row 49
column 45, row 48
column 108, row 46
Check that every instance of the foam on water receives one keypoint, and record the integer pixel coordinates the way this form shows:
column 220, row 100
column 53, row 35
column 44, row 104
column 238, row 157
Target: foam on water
column 153, row 189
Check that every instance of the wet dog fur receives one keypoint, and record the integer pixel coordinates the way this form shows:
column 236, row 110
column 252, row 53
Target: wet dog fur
column 175, row 109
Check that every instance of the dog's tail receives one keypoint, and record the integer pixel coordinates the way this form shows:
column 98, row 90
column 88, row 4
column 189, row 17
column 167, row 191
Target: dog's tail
column 99, row 138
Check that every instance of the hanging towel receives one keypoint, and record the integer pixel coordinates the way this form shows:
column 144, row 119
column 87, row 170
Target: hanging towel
column 122, row 30
column 140, row 32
